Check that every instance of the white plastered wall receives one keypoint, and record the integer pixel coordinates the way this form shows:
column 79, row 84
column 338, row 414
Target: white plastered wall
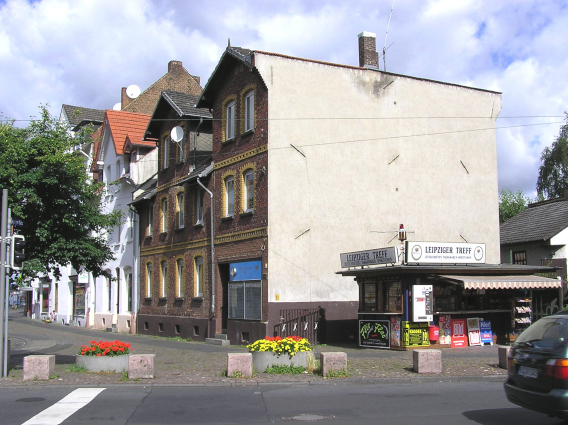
column 375, row 154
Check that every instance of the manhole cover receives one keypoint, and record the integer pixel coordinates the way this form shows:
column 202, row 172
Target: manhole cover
column 307, row 417
column 30, row 399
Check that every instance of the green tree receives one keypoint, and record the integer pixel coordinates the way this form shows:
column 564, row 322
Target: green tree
column 553, row 172
column 511, row 203
column 50, row 190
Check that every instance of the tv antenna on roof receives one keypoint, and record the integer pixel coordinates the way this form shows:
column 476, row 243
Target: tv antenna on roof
column 385, row 48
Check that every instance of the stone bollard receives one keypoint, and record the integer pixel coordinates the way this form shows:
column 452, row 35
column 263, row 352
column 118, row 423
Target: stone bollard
column 503, row 356
column 39, row 367
column 427, row 361
column 141, row 366
column 333, row 362
column 239, row 363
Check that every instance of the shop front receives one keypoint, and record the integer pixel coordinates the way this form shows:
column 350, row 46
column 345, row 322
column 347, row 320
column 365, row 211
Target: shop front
column 426, row 300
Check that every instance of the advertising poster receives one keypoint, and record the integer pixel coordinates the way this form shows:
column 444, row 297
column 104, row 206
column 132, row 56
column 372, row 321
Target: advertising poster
column 486, row 333
column 445, row 329
column 415, row 334
column 395, row 331
column 459, row 337
column 374, row 333
column 473, row 331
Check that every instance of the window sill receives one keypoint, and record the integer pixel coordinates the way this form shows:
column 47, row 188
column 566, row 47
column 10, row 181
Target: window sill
column 228, row 141
column 247, row 213
column 150, row 236
column 180, row 162
column 147, row 298
column 198, row 224
column 248, row 132
column 200, row 298
column 162, row 298
column 179, row 229
column 179, row 298
column 228, row 218
column 164, row 233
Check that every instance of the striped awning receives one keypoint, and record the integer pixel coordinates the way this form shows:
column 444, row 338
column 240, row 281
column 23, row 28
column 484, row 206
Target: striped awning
column 504, row 282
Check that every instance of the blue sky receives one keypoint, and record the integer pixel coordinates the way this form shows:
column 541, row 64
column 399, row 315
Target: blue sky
column 82, row 53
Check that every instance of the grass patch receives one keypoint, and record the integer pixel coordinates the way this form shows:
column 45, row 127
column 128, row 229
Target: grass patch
column 179, row 338
column 342, row 373
column 76, row 369
column 124, row 377
column 285, row 369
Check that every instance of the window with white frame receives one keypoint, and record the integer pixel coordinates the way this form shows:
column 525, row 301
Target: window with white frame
column 230, row 121
column 248, row 178
column 149, row 280
column 166, row 152
column 164, row 215
column 118, row 287
column 150, row 219
column 109, row 292
column 180, row 200
column 118, row 170
column 249, row 111
column 229, row 196
column 128, row 284
column 179, row 277
column 199, row 206
column 198, row 277
column 164, row 278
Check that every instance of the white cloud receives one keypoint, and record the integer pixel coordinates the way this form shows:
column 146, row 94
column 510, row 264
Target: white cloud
column 82, row 53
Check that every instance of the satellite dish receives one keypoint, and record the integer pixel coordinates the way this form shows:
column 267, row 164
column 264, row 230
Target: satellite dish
column 117, row 107
column 133, row 91
column 176, row 134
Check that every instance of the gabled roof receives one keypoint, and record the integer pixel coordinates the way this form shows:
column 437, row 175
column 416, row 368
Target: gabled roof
column 184, row 106
column 539, row 222
column 77, row 114
column 246, row 57
column 123, row 125
column 177, row 78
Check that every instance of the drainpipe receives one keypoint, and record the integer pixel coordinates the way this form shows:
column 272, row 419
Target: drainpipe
column 212, row 249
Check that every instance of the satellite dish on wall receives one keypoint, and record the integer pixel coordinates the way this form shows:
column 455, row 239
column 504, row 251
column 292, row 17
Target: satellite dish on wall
column 176, row 134
column 133, row 91
column 117, row 107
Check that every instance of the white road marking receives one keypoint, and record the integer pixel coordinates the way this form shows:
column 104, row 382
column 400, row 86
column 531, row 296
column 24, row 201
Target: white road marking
column 65, row 407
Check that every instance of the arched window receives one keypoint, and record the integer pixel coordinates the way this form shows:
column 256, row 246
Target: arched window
column 164, row 278
column 229, row 196
column 179, row 277
column 180, row 210
column 149, row 280
column 248, row 192
column 164, row 215
column 198, row 283
column 249, row 110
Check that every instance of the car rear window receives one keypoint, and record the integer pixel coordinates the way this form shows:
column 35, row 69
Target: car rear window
column 548, row 332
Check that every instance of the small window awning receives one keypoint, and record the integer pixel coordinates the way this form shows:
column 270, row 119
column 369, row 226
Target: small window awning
column 504, row 282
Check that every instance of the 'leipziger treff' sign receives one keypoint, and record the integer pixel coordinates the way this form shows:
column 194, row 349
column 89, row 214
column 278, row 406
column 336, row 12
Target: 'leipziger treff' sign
column 368, row 258
column 444, row 252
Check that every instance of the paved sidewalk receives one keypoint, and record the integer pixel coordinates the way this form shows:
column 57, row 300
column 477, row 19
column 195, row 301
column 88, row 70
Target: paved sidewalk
column 195, row 363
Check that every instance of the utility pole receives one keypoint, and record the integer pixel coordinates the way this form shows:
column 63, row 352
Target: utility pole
column 3, row 231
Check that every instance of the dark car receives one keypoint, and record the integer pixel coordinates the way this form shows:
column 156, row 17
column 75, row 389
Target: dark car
column 538, row 367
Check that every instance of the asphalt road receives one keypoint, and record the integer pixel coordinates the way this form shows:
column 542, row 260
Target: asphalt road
column 431, row 403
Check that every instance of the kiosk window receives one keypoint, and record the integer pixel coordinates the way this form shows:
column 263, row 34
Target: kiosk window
column 382, row 297
column 245, row 300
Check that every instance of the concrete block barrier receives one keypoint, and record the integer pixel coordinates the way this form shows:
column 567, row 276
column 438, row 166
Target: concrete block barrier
column 39, row 367
column 427, row 361
column 141, row 366
column 503, row 355
column 333, row 362
column 239, row 363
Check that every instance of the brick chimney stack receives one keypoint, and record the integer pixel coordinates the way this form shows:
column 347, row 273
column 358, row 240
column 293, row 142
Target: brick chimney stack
column 124, row 99
column 368, row 56
column 173, row 65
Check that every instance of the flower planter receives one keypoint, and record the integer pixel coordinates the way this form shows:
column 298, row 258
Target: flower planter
column 103, row 363
column 264, row 359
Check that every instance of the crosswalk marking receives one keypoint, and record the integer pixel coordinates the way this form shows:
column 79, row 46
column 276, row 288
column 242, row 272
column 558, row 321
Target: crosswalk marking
column 65, row 407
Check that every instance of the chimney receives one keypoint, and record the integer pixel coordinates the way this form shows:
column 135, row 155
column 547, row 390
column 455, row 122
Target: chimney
column 174, row 65
column 368, row 56
column 124, row 99
column 197, row 79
